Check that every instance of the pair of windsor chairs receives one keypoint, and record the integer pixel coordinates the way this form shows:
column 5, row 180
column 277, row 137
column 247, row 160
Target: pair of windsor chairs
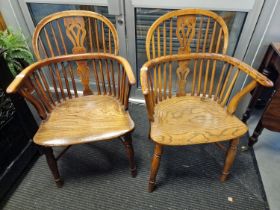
column 187, row 94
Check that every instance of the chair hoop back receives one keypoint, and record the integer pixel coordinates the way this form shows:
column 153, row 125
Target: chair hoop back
column 83, row 31
column 194, row 30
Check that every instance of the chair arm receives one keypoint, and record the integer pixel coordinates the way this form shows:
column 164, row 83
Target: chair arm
column 144, row 80
column 146, row 92
column 261, row 79
column 20, row 78
column 127, row 68
column 232, row 106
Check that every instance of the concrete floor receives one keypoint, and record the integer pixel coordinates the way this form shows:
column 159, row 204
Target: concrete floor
column 267, row 152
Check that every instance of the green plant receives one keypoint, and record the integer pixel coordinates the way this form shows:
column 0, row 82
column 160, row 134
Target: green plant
column 14, row 48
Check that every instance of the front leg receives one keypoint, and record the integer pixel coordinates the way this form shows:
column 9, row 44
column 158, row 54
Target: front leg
column 127, row 142
column 52, row 163
column 230, row 157
column 155, row 166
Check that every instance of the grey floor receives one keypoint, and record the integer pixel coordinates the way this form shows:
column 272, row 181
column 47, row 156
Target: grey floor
column 267, row 152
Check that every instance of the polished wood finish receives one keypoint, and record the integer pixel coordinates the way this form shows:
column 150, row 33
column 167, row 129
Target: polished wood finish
column 155, row 166
column 189, row 31
column 187, row 25
column 118, row 62
column 84, row 119
column 82, row 30
column 70, row 118
column 127, row 141
column 203, row 113
column 79, row 27
column 270, row 117
column 189, row 120
column 231, row 153
column 86, row 44
column 53, row 166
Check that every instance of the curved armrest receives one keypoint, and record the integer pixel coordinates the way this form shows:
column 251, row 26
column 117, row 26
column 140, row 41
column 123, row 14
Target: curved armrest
column 20, row 78
column 236, row 64
column 127, row 69
column 144, row 80
column 261, row 79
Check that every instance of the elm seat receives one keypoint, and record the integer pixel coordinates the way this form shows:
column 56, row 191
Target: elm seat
column 191, row 120
column 84, row 119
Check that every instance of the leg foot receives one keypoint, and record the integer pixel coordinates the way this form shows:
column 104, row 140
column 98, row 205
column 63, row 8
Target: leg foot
column 246, row 115
column 231, row 153
column 53, row 166
column 155, row 167
column 127, row 141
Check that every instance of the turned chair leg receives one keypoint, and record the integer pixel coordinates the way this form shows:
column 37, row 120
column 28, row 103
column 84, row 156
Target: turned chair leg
column 127, row 141
column 230, row 157
column 254, row 138
column 48, row 151
column 155, row 167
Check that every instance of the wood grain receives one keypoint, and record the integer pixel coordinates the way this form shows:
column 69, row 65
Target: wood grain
column 82, row 120
column 223, row 88
column 190, row 120
column 68, row 118
column 200, row 112
column 185, row 33
column 189, row 28
column 24, row 75
column 79, row 25
column 193, row 117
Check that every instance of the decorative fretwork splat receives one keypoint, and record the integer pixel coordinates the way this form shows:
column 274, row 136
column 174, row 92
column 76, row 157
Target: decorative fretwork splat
column 185, row 32
column 76, row 32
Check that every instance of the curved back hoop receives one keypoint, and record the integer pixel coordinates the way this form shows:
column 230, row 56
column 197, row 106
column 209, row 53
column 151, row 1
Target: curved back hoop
column 72, row 32
column 186, row 31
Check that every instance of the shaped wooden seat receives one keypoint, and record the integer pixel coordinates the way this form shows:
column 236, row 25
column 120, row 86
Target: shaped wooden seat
column 189, row 120
column 85, row 119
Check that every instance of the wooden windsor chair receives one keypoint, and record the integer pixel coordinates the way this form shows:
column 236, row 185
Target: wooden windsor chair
column 204, row 113
column 80, row 50
column 187, row 94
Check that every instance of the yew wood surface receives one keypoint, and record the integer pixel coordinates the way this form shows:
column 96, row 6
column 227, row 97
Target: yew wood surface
column 84, row 119
column 191, row 120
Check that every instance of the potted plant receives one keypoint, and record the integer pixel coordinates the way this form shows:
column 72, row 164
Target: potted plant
column 14, row 49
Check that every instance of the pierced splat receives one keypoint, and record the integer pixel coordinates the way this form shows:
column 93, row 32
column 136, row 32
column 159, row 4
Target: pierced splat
column 185, row 33
column 76, row 32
